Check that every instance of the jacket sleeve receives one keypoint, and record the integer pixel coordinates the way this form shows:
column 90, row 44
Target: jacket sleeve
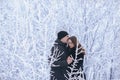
column 60, row 61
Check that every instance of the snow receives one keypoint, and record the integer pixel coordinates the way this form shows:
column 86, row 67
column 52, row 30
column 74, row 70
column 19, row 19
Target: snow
column 28, row 29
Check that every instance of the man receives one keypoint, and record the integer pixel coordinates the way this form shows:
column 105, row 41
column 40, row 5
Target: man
column 60, row 57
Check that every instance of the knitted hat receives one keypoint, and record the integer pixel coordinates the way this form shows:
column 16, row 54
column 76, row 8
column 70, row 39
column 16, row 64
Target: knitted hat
column 61, row 34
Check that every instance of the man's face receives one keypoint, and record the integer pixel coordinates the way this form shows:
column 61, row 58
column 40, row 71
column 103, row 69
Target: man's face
column 65, row 39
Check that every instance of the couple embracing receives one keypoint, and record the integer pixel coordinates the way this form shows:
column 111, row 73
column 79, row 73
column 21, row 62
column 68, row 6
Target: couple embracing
column 66, row 59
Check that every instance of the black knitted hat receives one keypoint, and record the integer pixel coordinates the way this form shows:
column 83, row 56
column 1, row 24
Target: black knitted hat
column 61, row 34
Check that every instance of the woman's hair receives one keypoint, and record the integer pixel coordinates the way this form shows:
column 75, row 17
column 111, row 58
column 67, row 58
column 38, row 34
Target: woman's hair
column 76, row 44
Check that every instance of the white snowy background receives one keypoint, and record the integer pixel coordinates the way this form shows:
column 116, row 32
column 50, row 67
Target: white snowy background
column 28, row 29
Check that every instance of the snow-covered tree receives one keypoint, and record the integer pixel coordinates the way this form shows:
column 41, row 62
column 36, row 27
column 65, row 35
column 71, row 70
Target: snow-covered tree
column 28, row 29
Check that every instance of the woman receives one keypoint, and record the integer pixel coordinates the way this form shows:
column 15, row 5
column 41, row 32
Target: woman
column 77, row 52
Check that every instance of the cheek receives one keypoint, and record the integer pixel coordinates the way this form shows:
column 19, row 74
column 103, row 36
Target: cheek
column 72, row 45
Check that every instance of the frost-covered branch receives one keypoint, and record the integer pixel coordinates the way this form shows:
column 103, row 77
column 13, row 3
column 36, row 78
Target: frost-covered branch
column 76, row 74
column 55, row 56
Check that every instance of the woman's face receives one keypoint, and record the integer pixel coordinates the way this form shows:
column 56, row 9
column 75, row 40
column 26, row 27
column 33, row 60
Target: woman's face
column 71, row 45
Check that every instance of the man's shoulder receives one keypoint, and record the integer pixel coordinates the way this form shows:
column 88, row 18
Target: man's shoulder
column 58, row 47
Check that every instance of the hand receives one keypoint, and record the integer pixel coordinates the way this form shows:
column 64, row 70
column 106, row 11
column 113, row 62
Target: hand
column 69, row 60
